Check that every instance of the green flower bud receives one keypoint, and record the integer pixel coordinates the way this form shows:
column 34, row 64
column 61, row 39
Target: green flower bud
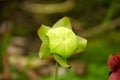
column 60, row 41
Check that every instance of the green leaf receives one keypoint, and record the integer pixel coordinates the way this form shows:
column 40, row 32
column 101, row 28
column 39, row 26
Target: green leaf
column 42, row 31
column 81, row 44
column 61, row 61
column 64, row 22
column 44, row 49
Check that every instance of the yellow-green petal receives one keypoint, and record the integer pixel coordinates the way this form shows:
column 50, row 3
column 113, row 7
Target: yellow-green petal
column 44, row 49
column 61, row 61
column 81, row 44
column 42, row 32
column 64, row 22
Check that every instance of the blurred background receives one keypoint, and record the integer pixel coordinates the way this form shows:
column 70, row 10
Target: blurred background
column 96, row 20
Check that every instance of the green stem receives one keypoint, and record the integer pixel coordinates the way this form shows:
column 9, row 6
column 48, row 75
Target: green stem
column 56, row 71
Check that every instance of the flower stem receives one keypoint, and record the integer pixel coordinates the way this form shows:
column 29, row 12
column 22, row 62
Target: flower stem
column 56, row 71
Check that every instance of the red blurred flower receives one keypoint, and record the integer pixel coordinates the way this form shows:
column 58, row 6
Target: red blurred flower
column 114, row 66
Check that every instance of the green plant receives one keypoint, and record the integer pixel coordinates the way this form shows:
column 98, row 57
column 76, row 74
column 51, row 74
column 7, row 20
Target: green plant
column 60, row 41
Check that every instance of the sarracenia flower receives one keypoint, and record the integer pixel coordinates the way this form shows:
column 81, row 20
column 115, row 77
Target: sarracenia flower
column 60, row 41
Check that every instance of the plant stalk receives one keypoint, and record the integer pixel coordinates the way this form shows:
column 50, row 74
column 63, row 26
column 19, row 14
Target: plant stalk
column 56, row 71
